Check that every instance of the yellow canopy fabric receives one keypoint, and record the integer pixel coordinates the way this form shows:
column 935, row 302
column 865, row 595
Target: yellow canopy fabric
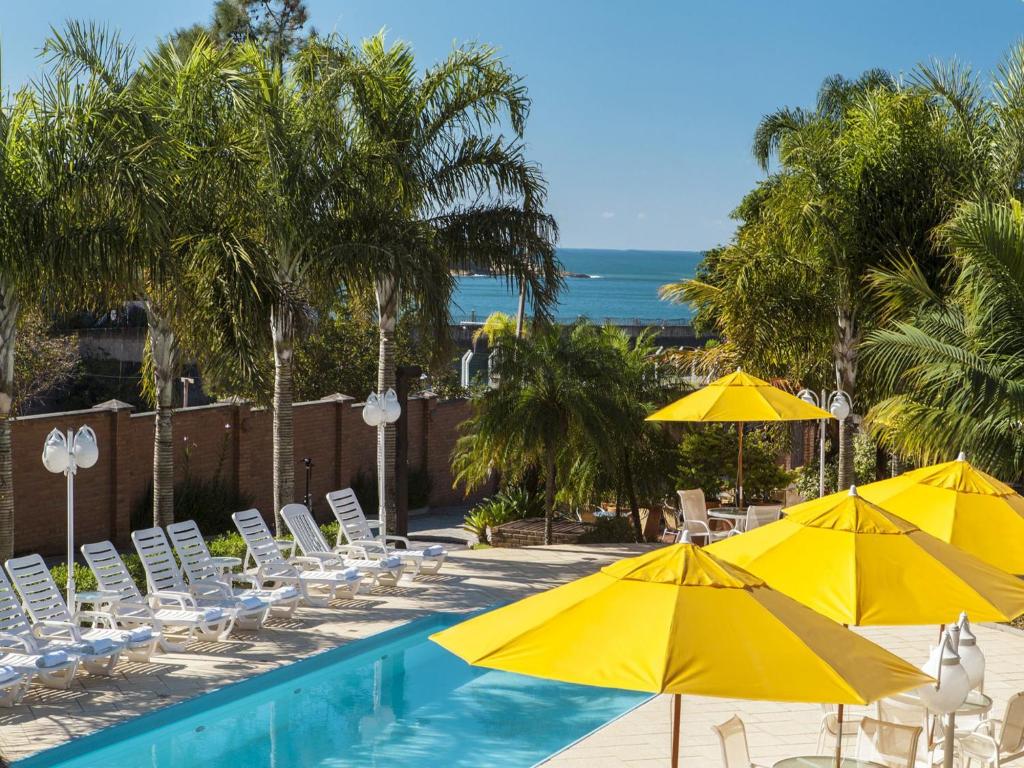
column 739, row 397
column 961, row 505
column 677, row 620
column 859, row 564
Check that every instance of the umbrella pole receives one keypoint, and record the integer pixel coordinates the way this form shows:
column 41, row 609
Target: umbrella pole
column 839, row 736
column 677, row 706
column 739, row 469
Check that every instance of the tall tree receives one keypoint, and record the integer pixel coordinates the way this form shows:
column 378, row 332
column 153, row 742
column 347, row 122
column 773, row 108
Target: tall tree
column 440, row 187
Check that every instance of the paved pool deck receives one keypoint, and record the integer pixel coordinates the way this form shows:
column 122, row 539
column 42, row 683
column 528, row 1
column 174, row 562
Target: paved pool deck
column 470, row 579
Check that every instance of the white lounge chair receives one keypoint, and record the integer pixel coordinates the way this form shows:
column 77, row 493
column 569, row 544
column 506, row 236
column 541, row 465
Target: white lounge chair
column 273, row 570
column 167, row 616
column 55, row 666
column 200, row 567
column 385, row 571
column 354, row 528
column 164, row 577
column 100, row 647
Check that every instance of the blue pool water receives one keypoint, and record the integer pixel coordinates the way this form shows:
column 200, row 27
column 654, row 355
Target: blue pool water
column 395, row 701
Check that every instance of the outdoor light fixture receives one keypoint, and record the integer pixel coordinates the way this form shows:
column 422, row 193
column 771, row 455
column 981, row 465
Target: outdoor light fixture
column 838, row 404
column 971, row 657
column 949, row 692
column 379, row 411
column 67, row 453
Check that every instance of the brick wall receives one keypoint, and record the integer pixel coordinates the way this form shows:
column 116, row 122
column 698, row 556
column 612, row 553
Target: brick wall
column 233, row 439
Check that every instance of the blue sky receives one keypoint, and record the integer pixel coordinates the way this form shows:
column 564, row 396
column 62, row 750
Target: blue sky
column 643, row 109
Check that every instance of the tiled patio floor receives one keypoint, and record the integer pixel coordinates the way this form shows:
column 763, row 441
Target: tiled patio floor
column 471, row 579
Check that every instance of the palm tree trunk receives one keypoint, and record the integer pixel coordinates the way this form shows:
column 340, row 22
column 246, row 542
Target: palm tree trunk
column 521, row 311
column 634, row 506
column 387, row 313
column 8, row 332
column 163, row 349
column 549, row 494
column 846, row 377
column 282, row 329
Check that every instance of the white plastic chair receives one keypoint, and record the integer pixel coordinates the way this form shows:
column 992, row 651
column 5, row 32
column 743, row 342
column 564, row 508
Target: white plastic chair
column 694, row 511
column 200, row 567
column 994, row 743
column 99, row 647
column 385, row 571
column 166, row 583
column 130, row 609
column 53, row 663
column 354, row 528
column 273, row 570
column 888, row 744
column 732, row 737
column 829, row 729
column 915, row 715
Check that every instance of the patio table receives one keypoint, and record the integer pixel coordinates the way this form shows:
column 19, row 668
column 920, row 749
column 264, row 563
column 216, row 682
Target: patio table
column 732, row 515
column 824, row 761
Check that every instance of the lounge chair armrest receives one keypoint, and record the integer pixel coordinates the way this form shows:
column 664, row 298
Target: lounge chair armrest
column 687, row 524
column 183, row 600
column 208, row 588
column 373, row 522
column 9, row 641
column 275, row 571
column 99, row 618
column 244, row 578
column 402, row 539
column 979, row 744
column 313, row 559
column 351, row 550
column 49, row 628
column 987, row 726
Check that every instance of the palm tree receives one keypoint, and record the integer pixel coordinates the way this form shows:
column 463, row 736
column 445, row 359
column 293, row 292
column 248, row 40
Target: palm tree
column 440, row 188
column 180, row 157
column 552, row 401
column 953, row 365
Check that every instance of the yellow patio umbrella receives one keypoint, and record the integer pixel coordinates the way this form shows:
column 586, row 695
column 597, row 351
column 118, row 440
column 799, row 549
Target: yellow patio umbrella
column 739, row 397
column 962, row 505
column 677, row 620
column 861, row 565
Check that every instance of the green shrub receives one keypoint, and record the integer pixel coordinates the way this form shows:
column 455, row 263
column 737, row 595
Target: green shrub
column 864, row 467
column 707, row 460
column 85, row 580
column 227, row 545
column 210, row 501
column 513, row 503
column 610, row 530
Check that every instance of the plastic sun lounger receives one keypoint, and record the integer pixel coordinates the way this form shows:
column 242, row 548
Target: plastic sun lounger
column 164, row 578
column 200, row 568
column 130, row 609
column 354, row 527
column 53, row 666
column 100, row 648
column 385, row 571
column 272, row 569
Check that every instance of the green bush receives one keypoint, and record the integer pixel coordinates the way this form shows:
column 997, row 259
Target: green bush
column 865, row 467
column 610, row 530
column 85, row 580
column 514, row 503
column 707, row 460
column 209, row 501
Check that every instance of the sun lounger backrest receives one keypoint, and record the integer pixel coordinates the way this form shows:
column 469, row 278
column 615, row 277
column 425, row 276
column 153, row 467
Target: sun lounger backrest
column 111, row 573
column 349, row 514
column 39, row 593
column 162, row 573
column 13, row 619
column 257, row 537
column 304, row 528
column 192, row 551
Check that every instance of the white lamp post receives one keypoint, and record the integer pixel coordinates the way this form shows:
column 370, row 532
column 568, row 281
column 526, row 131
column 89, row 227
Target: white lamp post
column 379, row 411
column 971, row 657
column 950, row 691
column 838, row 404
column 66, row 453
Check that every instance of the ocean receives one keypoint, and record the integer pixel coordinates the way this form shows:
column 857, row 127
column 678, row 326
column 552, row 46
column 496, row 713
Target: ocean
column 623, row 286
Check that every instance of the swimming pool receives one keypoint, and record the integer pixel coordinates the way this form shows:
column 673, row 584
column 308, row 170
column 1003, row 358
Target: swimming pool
column 394, row 700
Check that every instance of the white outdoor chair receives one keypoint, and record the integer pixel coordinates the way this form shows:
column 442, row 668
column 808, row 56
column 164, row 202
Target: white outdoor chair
column 995, row 743
column 53, row 664
column 354, row 528
column 758, row 515
column 915, row 716
column 385, row 571
column 694, row 511
column 829, row 730
column 200, row 567
column 732, row 737
column 164, row 578
column 888, row 744
column 99, row 647
column 165, row 615
column 273, row 570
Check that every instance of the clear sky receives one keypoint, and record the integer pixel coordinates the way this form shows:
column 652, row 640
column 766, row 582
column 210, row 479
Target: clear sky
column 643, row 109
